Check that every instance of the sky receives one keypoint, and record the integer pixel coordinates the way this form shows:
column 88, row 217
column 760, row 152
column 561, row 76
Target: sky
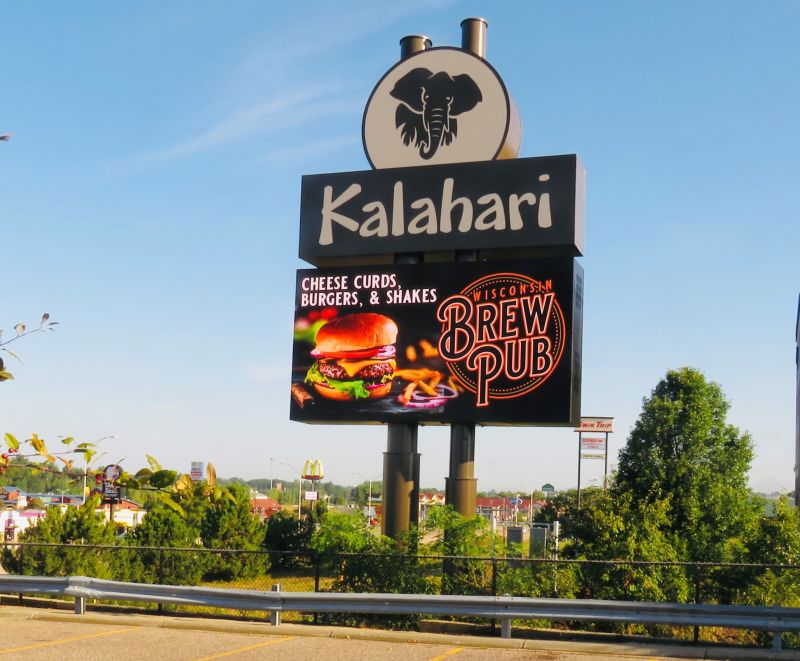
column 150, row 197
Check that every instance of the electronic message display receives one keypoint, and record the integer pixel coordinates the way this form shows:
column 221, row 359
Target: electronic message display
column 470, row 342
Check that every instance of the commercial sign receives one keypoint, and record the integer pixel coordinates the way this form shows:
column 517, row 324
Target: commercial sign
column 485, row 342
column 353, row 217
column 441, row 105
column 197, row 471
column 311, row 495
column 312, row 470
column 595, row 444
column 111, row 476
column 596, row 425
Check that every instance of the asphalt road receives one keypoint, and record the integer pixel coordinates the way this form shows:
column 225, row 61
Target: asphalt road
column 34, row 635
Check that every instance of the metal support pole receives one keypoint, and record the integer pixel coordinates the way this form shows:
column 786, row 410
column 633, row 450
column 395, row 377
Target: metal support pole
column 80, row 605
column 461, row 485
column 580, row 435
column 505, row 627
column 605, row 466
column 399, row 463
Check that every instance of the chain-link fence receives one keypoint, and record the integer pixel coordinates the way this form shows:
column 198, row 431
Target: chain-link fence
column 763, row 585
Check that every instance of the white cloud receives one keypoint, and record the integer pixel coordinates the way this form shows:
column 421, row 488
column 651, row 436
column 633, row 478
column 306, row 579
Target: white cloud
column 270, row 114
column 308, row 150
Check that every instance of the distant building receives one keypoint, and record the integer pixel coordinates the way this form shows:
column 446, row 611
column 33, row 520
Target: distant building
column 13, row 497
column 427, row 500
column 264, row 507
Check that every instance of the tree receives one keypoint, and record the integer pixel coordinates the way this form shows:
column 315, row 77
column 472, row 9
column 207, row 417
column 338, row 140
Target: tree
column 224, row 521
column 464, row 536
column 161, row 528
column 288, row 538
column 364, row 562
column 74, row 526
column 617, row 528
column 681, row 451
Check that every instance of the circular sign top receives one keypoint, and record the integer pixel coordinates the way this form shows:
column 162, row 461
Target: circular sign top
column 441, row 105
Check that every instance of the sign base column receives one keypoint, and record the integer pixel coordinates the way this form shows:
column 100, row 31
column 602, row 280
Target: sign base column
column 400, row 463
column 461, row 486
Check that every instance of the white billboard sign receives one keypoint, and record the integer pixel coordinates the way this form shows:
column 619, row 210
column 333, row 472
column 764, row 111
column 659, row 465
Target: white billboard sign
column 596, row 425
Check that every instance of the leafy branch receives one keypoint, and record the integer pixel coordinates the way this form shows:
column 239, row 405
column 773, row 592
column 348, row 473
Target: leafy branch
column 22, row 330
column 170, row 487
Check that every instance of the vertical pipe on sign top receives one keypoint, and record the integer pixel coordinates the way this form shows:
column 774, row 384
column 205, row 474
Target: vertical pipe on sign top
column 460, row 484
column 413, row 43
column 401, row 459
column 473, row 36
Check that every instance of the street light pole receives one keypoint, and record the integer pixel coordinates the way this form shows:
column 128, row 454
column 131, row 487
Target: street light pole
column 300, row 486
column 271, row 471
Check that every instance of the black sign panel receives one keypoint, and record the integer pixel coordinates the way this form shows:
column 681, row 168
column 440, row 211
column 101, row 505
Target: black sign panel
column 362, row 217
column 485, row 342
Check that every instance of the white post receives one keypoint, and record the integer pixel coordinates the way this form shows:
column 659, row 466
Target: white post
column 300, row 497
column 275, row 616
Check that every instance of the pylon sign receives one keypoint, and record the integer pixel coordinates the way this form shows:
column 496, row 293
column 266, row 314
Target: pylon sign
column 433, row 341
column 312, row 470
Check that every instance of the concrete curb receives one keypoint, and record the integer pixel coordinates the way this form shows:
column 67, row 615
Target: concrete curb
column 593, row 649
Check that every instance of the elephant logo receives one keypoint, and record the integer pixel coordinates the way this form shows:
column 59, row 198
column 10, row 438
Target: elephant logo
column 429, row 105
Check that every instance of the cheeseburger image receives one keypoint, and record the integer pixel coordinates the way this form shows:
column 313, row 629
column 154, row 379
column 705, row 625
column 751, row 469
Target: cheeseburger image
column 355, row 357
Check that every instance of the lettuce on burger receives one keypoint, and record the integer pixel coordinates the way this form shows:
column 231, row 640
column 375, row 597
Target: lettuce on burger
column 355, row 357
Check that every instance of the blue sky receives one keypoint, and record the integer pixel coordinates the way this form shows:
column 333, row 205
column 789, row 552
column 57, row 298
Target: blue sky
column 149, row 201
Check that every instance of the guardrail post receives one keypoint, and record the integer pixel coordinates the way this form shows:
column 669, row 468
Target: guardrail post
column 275, row 616
column 696, row 600
column 505, row 627
column 80, row 605
column 777, row 641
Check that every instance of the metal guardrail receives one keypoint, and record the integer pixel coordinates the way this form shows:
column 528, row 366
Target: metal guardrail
column 763, row 618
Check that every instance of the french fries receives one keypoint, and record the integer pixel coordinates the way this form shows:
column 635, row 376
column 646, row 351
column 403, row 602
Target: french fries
column 424, row 387
column 406, row 396
column 428, row 350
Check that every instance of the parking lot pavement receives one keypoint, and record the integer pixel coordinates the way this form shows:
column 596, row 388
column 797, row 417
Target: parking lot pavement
column 37, row 634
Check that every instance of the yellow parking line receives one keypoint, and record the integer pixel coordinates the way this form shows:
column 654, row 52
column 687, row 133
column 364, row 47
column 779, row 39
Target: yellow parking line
column 450, row 652
column 245, row 649
column 62, row 641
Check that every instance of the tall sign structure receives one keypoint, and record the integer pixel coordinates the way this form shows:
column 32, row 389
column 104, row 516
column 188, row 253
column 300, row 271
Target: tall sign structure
column 797, row 411
column 446, row 289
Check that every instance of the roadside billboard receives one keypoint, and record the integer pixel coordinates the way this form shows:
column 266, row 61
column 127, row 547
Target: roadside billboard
column 484, row 342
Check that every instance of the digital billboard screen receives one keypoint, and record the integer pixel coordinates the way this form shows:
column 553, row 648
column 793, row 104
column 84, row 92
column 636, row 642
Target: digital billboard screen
column 467, row 342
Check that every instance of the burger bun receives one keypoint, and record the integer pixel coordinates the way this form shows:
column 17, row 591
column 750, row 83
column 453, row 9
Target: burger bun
column 337, row 395
column 354, row 332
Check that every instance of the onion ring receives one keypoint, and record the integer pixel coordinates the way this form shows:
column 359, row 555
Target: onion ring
column 419, row 400
column 444, row 392
column 430, row 403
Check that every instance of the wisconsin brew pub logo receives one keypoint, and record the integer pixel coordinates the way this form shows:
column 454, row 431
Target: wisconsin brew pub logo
column 502, row 336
